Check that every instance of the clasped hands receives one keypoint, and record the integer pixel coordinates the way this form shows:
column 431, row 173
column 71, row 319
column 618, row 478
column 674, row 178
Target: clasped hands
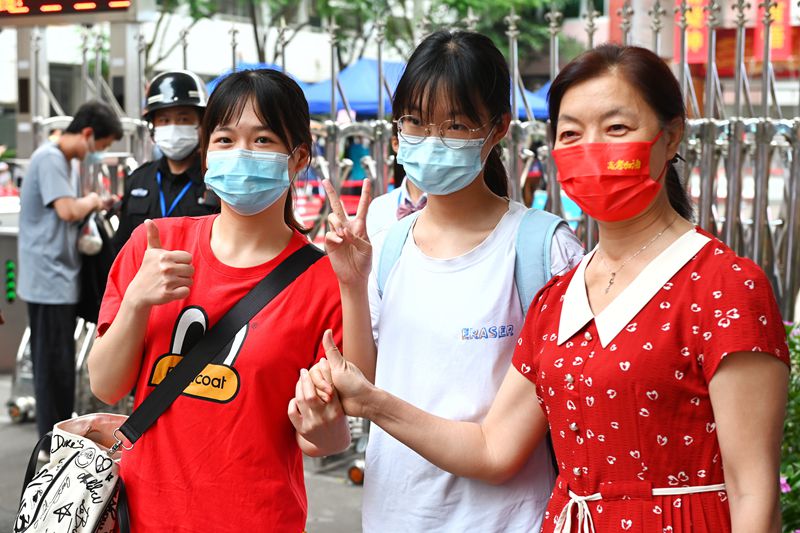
column 330, row 389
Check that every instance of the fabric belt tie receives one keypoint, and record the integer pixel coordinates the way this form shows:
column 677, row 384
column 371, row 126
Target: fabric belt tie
column 584, row 515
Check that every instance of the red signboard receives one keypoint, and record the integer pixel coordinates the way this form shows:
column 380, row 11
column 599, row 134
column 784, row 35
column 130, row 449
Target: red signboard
column 726, row 55
column 780, row 36
column 615, row 21
column 696, row 33
column 16, row 8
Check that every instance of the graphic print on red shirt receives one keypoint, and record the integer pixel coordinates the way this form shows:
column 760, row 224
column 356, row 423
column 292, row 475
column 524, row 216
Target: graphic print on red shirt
column 626, row 392
column 224, row 456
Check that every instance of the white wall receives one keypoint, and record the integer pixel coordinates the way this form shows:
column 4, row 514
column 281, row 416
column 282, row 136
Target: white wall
column 8, row 66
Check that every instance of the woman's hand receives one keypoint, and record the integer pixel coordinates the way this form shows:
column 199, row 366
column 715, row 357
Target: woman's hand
column 346, row 242
column 319, row 420
column 164, row 276
column 492, row 451
column 350, row 384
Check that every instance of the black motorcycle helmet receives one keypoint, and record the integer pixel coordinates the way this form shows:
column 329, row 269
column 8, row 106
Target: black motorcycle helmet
column 172, row 89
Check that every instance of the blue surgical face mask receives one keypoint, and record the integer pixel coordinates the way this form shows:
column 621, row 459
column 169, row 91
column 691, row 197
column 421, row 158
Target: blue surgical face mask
column 94, row 157
column 248, row 181
column 437, row 169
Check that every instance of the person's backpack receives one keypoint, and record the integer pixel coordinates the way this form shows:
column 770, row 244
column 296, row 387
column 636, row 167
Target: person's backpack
column 531, row 266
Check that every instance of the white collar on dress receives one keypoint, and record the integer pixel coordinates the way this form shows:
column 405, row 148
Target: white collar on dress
column 576, row 312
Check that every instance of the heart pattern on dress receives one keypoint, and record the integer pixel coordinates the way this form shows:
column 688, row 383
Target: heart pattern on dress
column 681, row 334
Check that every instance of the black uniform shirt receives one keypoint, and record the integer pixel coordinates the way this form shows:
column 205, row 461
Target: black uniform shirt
column 142, row 199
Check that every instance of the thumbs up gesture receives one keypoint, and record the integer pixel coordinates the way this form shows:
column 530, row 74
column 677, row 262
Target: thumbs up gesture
column 164, row 275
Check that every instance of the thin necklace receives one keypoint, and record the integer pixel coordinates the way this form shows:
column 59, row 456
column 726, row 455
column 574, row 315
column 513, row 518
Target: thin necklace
column 628, row 260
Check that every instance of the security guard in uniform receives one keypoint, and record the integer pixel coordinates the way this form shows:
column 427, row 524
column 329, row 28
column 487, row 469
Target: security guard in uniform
column 171, row 186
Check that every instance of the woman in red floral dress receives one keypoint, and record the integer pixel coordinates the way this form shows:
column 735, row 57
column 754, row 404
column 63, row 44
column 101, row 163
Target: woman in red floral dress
column 659, row 363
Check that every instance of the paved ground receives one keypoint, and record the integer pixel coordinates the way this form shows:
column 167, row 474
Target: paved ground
column 334, row 505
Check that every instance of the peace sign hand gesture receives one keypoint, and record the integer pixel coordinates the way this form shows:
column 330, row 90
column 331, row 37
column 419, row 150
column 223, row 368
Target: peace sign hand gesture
column 346, row 242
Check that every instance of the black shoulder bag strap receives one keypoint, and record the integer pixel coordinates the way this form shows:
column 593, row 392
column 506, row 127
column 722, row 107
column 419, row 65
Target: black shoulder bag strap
column 210, row 345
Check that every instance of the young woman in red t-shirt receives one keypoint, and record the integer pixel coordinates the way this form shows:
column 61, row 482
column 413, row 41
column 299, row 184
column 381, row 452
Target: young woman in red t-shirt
column 225, row 456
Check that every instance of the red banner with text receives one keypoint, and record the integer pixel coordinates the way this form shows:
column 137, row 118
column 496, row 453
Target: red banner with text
column 615, row 21
column 780, row 36
column 696, row 33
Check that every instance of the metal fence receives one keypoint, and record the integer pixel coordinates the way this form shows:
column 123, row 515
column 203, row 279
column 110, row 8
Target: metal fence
column 742, row 161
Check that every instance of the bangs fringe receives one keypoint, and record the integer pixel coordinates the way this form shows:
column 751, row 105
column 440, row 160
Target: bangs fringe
column 447, row 68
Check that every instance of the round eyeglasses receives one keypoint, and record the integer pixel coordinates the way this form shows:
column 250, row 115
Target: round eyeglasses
column 452, row 133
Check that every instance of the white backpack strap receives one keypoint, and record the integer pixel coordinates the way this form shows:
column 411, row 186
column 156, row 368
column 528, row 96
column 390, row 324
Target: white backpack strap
column 533, row 247
column 392, row 248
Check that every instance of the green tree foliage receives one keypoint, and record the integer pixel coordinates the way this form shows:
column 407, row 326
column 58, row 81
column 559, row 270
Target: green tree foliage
column 166, row 37
column 405, row 23
column 534, row 35
column 790, row 460
column 405, row 27
column 491, row 19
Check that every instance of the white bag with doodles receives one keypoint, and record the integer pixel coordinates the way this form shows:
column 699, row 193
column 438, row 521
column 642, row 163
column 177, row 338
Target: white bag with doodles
column 77, row 490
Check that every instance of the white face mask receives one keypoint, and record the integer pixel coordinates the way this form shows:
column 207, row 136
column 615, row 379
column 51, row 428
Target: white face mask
column 176, row 142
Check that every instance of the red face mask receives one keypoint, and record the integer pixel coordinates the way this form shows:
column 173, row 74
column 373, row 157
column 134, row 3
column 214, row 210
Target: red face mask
column 609, row 181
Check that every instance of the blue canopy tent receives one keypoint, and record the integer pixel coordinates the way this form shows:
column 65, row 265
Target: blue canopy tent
column 210, row 86
column 360, row 85
column 541, row 95
column 542, row 91
column 537, row 103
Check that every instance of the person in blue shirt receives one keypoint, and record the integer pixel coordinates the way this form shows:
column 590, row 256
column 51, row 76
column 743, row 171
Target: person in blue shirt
column 49, row 261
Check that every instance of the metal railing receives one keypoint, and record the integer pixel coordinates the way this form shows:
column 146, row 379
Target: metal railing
column 742, row 163
column 742, row 160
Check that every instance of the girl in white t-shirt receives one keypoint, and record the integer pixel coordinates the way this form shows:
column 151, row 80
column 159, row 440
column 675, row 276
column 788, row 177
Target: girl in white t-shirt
column 445, row 320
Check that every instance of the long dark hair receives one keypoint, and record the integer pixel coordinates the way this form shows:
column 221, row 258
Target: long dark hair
column 654, row 81
column 280, row 104
column 468, row 69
